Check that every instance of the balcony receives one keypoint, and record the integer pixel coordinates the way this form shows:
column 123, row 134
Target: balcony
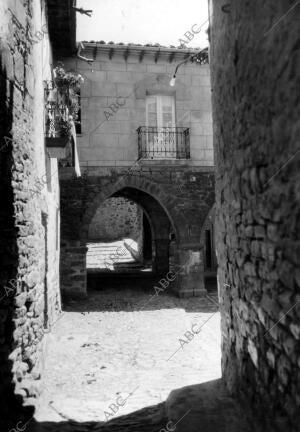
column 58, row 123
column 60, row 131
column 163, row 142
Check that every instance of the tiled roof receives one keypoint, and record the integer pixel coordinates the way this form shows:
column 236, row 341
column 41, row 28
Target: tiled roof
column 92, row 49
column 134, row 45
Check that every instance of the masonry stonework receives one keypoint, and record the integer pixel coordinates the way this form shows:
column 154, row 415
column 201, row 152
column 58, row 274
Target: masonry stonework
column 169, row 197
column 115, row 219
column 256, row 134
column 29, row 218
column 180, row 186
column 113, row 98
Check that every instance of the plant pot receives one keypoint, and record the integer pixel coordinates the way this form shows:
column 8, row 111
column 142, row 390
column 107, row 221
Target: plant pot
column 57, row 146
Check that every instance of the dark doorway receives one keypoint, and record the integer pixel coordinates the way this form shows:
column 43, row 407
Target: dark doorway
column 208, row 255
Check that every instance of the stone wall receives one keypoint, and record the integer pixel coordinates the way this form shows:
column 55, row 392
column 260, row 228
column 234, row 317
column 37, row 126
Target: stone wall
column 175, row 199
column 115, row 219
column 178, row 192
column 29, row 218
column 256, row 111
column 109, row 135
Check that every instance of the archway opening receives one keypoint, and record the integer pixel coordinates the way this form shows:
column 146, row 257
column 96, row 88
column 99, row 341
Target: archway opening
column 129, row 237
column 119, row 239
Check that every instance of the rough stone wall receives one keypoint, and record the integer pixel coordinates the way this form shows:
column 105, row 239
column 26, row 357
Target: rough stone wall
column 28, row 211
column 115, row 219
column 256, row 112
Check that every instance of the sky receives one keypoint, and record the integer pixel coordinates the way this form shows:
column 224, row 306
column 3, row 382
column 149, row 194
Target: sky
column 143, row 21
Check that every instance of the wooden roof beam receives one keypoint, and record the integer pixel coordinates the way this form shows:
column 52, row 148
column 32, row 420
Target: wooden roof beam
column 110, row 53
column 171, row 57
column 126, row 54
column 141, row 56
column 95, row 53
column 156, row 56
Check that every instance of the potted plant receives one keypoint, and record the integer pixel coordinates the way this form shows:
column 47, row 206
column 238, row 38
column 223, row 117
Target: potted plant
column 62, row 105
column 68, row 85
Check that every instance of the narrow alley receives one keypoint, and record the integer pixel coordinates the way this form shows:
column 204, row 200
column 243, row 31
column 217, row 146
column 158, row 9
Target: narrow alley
column 150, row 216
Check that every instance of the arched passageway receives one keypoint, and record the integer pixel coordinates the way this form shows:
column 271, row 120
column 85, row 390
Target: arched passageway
column 116, row 235
column 160, row 225
column 116, row 256
column 115, row 238
column 175, row 237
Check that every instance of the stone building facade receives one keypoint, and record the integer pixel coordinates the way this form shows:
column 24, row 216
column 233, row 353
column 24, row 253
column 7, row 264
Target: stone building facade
column 254, row 82
column 147, row 141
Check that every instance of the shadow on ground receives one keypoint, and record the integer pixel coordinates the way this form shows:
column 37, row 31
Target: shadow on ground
column 205, row 407
column 147, row 419
column 128, row 294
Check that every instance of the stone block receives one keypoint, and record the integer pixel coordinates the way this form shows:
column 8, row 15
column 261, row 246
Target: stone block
column 249, row 269
column 271, row 358
column 252, row 350
column 295, row 330
column 259, row 232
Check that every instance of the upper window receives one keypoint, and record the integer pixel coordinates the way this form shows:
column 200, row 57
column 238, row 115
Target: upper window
column 160, row 111
column 160, row 138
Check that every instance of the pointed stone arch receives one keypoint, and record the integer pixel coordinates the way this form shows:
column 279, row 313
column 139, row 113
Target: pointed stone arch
column 146, row 194
column 171, row 207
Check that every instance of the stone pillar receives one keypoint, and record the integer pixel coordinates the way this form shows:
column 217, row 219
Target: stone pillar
column 191, row 273
column 161, row 261
column 73, row 275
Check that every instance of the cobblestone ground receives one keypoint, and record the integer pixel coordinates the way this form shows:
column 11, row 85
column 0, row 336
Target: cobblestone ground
column 122, row 345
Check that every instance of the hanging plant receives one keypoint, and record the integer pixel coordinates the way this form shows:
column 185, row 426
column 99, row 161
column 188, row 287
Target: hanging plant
column 68, row 85
column 64, row 79
column 65, row 127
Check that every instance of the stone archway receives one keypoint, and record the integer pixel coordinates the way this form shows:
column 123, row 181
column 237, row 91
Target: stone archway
column 73, row 274
column 158, row 219
column 79, row 202
column 148, row 194
column 159, row 222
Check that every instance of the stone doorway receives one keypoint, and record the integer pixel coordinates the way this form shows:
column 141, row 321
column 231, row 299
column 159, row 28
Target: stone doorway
column 116, row 224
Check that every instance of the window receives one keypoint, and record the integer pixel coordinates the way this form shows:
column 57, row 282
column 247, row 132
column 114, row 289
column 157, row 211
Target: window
column 160, row 123
column 160, row 111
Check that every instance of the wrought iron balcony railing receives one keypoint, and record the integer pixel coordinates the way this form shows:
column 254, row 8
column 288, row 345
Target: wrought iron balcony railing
column 62, row 107
column 58, row 121
column 59, row 125
column 163, row 142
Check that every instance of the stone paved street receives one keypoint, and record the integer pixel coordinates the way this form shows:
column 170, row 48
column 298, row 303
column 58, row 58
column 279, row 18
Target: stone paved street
column 118, row 342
